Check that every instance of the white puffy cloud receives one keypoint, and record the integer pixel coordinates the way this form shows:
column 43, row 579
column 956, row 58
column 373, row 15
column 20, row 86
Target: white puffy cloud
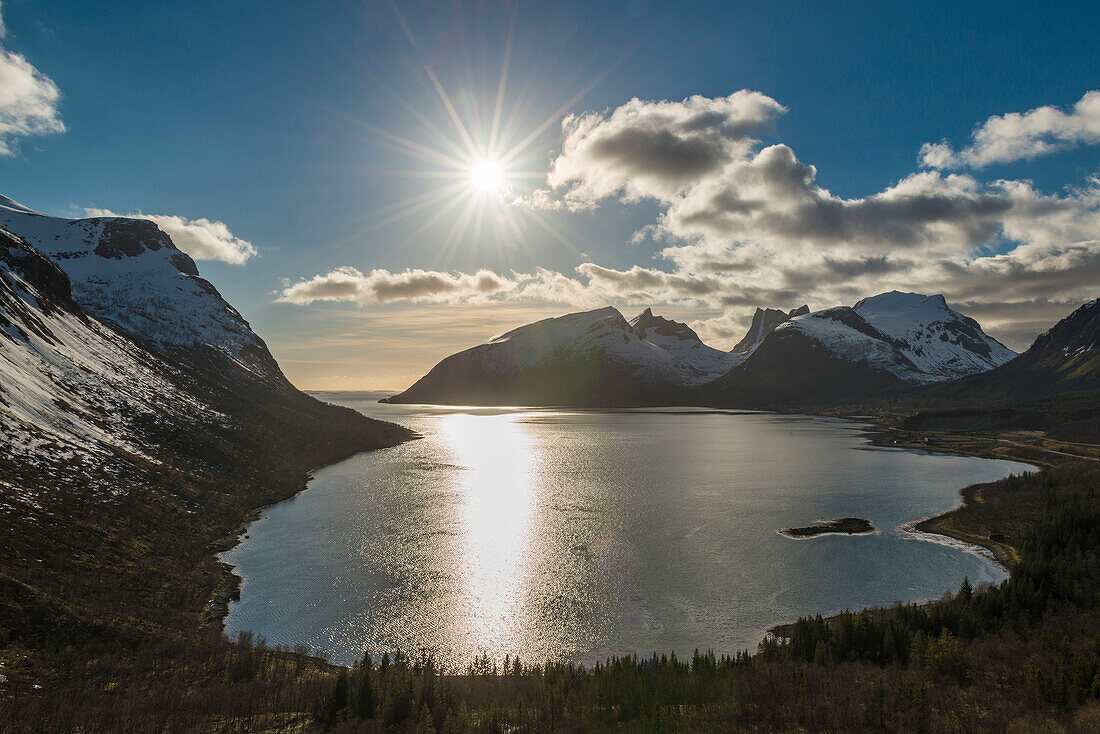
column 1022, row 135
column 28, row 102
column 656, row 149
column 202, row 239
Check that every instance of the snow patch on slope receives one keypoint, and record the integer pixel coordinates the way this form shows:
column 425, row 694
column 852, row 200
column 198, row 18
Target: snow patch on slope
column 71, row 388
column 128, row 272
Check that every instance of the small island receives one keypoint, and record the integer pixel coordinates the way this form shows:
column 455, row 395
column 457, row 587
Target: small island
column 848, row 525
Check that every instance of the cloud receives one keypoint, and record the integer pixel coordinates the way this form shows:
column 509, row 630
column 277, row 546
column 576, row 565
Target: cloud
column 655, row 149
column 595, row 286
column 28, row 102
column 749, row 221
column 744, row 224
column 202, row 239
column 717, row 183
column 382, row 286
column 1022, row 136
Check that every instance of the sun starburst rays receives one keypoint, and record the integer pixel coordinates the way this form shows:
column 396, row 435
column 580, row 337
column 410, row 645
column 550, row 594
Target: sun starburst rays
column 472, row 161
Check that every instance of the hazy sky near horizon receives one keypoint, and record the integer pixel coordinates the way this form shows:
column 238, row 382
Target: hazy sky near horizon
column 375, row 185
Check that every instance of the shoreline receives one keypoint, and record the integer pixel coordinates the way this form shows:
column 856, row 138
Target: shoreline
column 1002, row 553
column 883, row 436
column 875, row 433
column 217, row 607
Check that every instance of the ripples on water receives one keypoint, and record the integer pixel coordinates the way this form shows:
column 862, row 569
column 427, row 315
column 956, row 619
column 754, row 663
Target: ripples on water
column 576, row 534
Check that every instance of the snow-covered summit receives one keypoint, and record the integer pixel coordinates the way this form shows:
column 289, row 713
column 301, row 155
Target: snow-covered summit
column 129, row 273
column 917, row 338
column 700, row 363
column 649, row 347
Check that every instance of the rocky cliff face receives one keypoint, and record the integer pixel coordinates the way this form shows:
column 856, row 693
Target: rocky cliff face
column 764, row 322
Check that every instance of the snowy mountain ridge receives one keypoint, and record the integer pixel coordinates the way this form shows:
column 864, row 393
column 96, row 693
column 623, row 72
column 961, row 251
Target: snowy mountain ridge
column 129, row 273
column 648, row 347
column 915, row 337
column 597, row 357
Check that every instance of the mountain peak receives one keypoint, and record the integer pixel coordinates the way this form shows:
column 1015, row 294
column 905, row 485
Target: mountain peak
column 655, row 328
column 764, row 321
column 129, row 273
column 588, row 358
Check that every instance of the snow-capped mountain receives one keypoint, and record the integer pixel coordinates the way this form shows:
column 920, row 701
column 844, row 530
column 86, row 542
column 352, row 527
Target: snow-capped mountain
column 942, row 344
column 1064, row 360
column 129, row 273
column 599, row 358
column 589, row 358
column 764, row 322
column 87, row 408
column 884, row 342
column 71, row 388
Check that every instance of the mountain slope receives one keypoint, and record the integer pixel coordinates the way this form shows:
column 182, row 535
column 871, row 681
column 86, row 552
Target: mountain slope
column 129, row 273
column 69, row 386
column 591, row 358
column 881, row 344
column 1063, row 361
column 764, row 322
column 121, row 464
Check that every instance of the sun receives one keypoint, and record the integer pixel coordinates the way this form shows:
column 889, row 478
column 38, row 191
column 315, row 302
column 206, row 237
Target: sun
column 487, row 176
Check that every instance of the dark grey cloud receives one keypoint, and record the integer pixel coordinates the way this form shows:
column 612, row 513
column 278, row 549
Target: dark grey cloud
column 382, row 286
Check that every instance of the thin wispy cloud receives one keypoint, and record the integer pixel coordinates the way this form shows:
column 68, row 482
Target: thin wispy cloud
column 202, row 239
column 28, row 100
column 1022, row 136
column 382, row 286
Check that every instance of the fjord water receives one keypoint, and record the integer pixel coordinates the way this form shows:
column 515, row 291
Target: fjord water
column 562, row 534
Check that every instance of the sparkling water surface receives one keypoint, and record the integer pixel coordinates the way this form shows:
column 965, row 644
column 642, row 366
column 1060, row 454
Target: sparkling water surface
column 567, row 534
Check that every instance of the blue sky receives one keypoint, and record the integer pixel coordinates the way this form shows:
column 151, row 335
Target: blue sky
column 307, row 129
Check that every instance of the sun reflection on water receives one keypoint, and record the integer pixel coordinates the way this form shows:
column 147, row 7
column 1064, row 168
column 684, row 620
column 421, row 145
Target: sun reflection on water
column 497, row 488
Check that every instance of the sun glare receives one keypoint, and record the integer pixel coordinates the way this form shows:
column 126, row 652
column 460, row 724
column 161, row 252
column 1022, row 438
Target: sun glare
column 476, row 153
column 487, row 177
